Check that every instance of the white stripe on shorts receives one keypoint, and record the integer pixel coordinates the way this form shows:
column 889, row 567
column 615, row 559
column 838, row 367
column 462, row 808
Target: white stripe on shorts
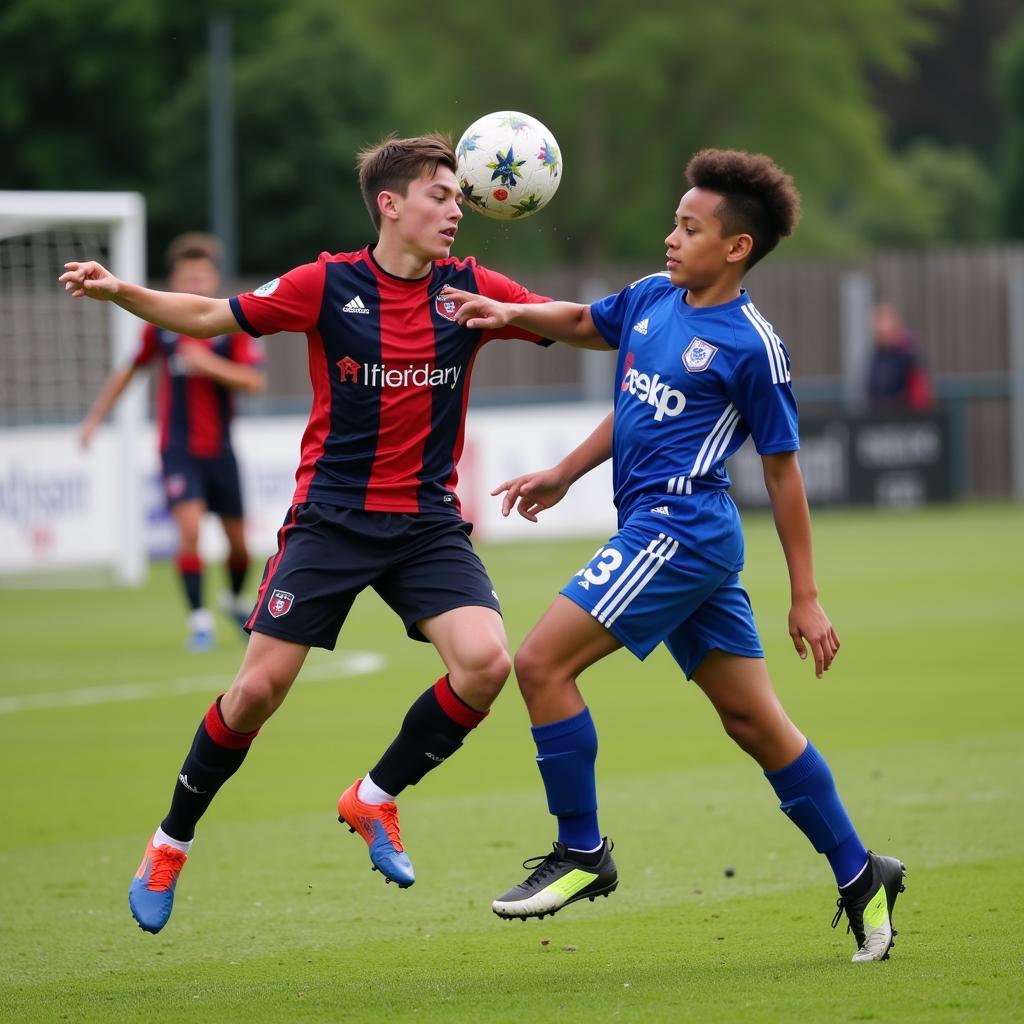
column 634, row 579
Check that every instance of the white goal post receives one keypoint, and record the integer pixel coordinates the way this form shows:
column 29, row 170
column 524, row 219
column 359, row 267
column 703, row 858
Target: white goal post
column 61, row 508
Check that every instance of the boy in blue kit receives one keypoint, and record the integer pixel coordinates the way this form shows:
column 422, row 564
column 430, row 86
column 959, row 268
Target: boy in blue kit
column 699, row 370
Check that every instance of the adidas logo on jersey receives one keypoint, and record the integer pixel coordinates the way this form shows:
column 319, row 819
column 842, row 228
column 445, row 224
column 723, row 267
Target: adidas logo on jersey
column 355, row 305
column 641, row 327
column 662, row 510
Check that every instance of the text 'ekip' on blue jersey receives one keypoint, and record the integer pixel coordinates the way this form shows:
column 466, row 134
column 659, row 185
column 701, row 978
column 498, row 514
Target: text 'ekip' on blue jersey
column 692, row 383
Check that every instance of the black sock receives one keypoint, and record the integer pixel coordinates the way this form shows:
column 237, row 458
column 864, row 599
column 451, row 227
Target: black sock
column 589, row 860
column 859, row 887
column 433, row 729
column 217, row 753
column 238, row 568
column 191, row 569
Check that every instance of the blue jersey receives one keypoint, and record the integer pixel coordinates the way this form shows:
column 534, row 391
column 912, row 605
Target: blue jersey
column 692, row 383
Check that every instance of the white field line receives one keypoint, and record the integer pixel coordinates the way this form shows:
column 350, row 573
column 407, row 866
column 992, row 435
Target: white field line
column 349, row 663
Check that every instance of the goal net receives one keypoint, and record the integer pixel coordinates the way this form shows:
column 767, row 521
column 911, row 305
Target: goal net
column 61, row 507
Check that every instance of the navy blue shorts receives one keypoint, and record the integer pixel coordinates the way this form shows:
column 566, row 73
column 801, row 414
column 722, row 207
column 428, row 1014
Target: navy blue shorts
column 645, row 588
column 421, row 565
column 214, row 481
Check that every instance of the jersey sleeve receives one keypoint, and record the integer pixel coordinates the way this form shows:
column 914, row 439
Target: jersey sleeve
column 612, row 313
column 147, row 347
column 609, row 314
column 503, row 289
column 288, row 303
column 761, row 390
column 244, row 349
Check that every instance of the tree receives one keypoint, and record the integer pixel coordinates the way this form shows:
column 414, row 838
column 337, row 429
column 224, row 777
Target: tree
column 307, row 98
column 631, row 97
column 1010, row 72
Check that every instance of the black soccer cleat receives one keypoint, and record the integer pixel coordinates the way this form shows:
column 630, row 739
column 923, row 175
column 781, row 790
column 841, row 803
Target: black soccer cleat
column 556, row 881
column 870, row 916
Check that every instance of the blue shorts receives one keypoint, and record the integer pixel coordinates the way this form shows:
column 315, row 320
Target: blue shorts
column 421, row 565
column 214, row 481
column 645, row 588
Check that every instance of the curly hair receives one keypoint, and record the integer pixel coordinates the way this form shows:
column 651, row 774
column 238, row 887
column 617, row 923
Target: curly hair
column 758, row 197
column 392, row 163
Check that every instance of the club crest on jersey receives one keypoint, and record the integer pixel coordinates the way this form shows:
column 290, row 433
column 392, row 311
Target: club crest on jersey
column 175, row 486
column 698, row 355
column 446, row 307
column 280, row 603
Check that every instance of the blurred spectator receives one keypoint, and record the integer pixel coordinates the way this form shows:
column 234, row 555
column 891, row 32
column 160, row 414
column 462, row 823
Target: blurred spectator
column 897, row 378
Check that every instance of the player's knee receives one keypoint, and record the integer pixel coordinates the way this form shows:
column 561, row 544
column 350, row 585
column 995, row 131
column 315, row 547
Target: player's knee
column 482, row 673
column 534, row 671
column 742, row 729
column 257, row 694
column 494, row 671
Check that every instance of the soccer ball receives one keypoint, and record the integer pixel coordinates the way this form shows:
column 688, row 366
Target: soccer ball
column 509, row 165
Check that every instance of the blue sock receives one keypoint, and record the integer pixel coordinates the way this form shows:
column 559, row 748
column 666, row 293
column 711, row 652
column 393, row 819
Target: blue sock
column 807, row 795
column 566, row 753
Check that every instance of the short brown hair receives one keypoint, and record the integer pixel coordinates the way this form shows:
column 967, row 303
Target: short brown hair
column 392, row 163
column 194, row 245
column 758, row 197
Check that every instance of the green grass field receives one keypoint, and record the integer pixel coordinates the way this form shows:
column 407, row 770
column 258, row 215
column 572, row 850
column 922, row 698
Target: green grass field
column 278, row 917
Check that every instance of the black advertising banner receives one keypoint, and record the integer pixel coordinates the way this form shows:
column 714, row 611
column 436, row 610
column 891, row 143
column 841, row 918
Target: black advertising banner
column 887, row 460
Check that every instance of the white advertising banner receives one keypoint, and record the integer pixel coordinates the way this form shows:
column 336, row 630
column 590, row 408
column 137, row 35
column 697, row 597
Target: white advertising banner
column 59, row 506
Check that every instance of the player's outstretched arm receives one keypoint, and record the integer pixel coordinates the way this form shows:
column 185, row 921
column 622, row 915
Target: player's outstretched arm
column 180, row 312
column 807, row 619
column 568, row 322
column 112, row 390
column 538, row 491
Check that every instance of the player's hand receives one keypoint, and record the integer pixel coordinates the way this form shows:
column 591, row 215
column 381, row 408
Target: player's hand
column 89, row 280
column 808, row 622
column 534, row 492
column 195, row 359
column 85, row 433
column 478, row 311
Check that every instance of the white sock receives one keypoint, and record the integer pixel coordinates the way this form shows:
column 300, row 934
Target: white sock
column 202, row 619
column 161, row 838
column 371, row 793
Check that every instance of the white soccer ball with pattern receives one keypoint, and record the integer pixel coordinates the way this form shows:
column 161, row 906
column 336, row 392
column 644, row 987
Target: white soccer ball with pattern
column 509, row 165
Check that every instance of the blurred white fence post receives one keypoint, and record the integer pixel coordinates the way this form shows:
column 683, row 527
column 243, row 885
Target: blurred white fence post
column 596, row 368
column 1016, row 332
column 855, row 300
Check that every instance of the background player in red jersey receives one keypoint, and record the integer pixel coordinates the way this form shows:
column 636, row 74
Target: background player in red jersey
column 375, row 501
column 195, row 405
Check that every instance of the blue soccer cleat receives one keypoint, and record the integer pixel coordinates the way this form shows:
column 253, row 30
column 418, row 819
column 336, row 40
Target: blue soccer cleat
column 201, row 637
column 378, row 825
column 151, row 894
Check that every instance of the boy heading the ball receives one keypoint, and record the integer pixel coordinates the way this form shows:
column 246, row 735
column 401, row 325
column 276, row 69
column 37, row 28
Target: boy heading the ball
column 699, row 370
column 374, row 503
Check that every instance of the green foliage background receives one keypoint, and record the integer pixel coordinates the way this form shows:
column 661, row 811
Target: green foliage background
column 101, row 95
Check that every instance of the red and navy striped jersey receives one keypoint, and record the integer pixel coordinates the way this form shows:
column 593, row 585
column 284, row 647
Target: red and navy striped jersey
column 390, row 371
column 194, row 412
